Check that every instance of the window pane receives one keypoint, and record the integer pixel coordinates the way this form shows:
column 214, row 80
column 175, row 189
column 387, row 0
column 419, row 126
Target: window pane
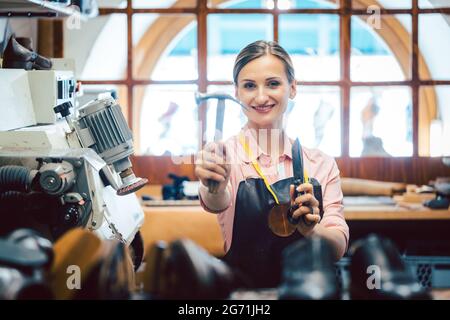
column 148, row 4
column 313, row 42
column 315, row 118
column 381, row 49
column 239, row 4
column 99, row 48
column 270, row 4
column 309, row 4
column 430, row 4
column 164, row 47
column 387, row 4
column 168, row 119
column 381, row 122
column 434, row 49
column 112, row 3
column 234, row 118
column 228, row 34
column 95, row 91
column 434, row 120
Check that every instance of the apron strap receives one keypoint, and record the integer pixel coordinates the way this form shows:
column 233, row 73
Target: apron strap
column 297, row 164
column 255, row 164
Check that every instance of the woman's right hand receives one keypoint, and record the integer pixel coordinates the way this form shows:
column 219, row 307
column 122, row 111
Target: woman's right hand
column 211, row 164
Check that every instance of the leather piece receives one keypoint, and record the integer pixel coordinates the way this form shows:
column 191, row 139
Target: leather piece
column 299, row 178
column 297, row 162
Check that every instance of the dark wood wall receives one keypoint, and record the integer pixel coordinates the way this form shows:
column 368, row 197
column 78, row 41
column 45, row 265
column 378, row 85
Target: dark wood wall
column 409, row 170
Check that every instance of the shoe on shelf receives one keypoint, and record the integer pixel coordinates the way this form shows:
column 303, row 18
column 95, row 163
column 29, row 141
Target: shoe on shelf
column 22, row 56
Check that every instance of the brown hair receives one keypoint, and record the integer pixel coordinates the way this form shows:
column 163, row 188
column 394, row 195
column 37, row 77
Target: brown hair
column 261, row 48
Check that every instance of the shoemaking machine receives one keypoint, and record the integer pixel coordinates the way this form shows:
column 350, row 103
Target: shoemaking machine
column 64, row 166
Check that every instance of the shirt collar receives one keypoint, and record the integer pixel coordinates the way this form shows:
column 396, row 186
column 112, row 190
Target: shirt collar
column 256, row 151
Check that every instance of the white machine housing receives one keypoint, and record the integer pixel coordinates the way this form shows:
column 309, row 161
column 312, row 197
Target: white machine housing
column 29, row 123
column 28, row 97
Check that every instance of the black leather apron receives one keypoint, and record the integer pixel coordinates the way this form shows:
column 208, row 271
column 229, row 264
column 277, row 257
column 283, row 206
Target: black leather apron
column 255, row 250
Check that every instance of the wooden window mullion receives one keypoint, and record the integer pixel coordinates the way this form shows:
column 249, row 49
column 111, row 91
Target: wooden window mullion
column 415, row 78
column 202, row 61
column 276, row 18
column 129, row 79
column 345, row 51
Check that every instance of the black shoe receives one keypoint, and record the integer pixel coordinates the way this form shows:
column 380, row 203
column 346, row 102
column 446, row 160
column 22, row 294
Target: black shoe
column 17, row 56
column 25, row 259
column 377, row 271
column 33, row 240
column 189, row 272
column 309, row 272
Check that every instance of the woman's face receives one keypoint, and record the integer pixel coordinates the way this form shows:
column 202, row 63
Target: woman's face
column 263, row 86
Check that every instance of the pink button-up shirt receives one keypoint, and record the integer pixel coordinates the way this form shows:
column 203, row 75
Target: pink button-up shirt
column 318, row 165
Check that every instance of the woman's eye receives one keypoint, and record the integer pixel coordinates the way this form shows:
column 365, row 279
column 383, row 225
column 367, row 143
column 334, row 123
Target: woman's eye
column 249, row 85
column 274, row 83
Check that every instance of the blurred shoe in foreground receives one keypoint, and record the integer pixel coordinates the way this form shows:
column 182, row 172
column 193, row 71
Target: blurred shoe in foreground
column 308, row 271
column 377, row 271
column 25, row 258
column 184, row 270
column 86, row 267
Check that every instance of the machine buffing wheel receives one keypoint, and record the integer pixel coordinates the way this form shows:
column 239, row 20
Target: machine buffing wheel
column 133, row 187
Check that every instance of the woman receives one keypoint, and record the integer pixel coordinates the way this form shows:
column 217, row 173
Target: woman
column 254, row 172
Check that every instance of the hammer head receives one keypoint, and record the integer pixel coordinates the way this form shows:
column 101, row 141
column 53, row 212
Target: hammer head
column 200, row 97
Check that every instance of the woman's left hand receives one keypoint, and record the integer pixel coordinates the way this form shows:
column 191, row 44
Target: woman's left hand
column 305, row 203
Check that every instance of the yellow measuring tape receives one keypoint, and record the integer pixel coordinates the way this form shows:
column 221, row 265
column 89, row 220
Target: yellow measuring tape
column 255, row 164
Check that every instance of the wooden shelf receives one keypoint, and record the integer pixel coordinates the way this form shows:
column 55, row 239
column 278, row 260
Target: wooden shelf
column 39, row 8
column 394, row 213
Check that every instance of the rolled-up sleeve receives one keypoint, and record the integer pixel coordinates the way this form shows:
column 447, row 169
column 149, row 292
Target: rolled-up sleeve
column 333, row 203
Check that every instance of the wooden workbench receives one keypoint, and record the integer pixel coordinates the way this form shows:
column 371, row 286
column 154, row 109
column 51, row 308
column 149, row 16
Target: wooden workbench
column 416, row 232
